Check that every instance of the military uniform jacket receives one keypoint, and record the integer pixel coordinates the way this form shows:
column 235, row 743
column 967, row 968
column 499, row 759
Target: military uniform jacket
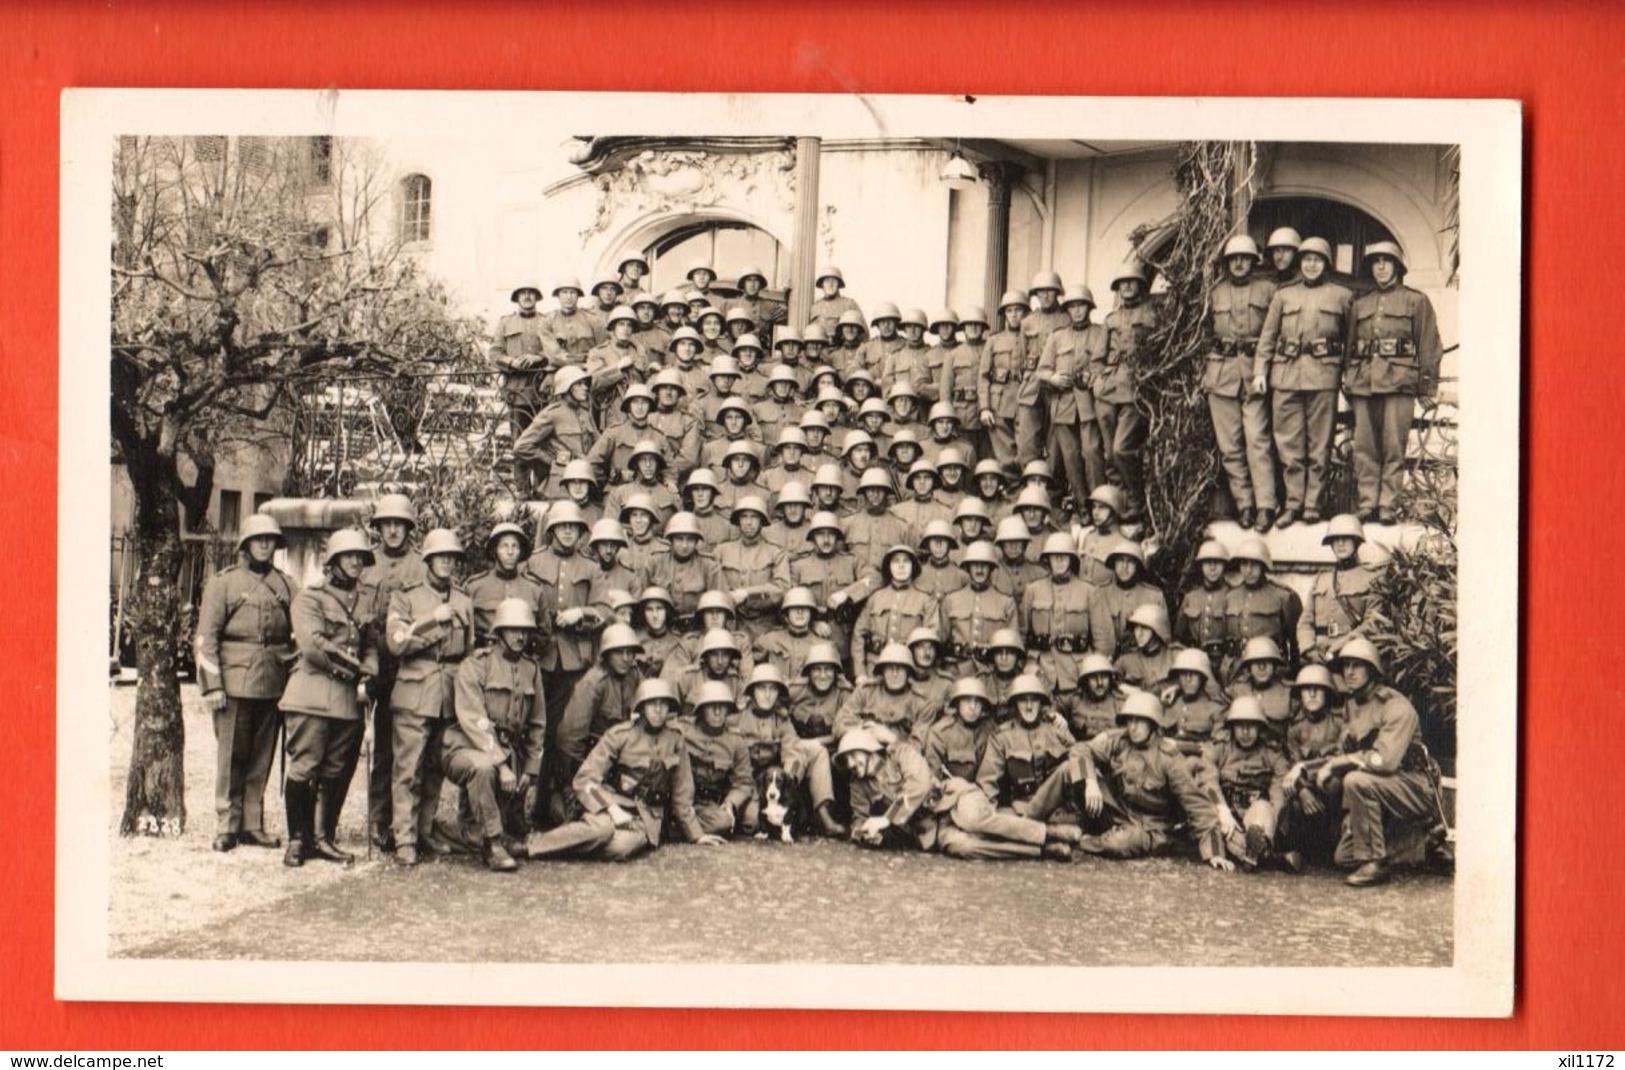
column 1338, row 602
column 909, row 364
column 1306, row 739
column 599, row 701
column 1242, row 775
column 245, row 634
column 1305, row 336
column 1020, row 757
column 668, row 649
column 769, row 737
column 692, row 676
column 1112, row 607
column 1238, row 313
column 619, row 576
column 1128, row 331
column 961, row 376
column 999, row 376
column 873, row 356
column 937, row 358
column 1074, row 352
column 784, row 651
column 763, row 311
column 389, row 572
column 901, row 711
column 684, row 580
column 916, row 513
column 889, row 615
column 678, row 433
column 826, row 575
column 721, row 766
column 1093, row 546
column 559, row 433
column 756, row 574
column 1381, row 729
column 772, row 416
column 1276, row 700
column 901, row 789
column 931, row 449
column 826, row 311
column 642, row 773
column 1268, row 609
column 868, row 535
column 661, row 495
column 1151, row 783
column 501, row 711
column 953, row 748
column 520, row 348
column 1396, row 344
column 1204, row 619
column 1088, row 718
column 611, row 454
column 1014, row 578
column 429, row 652
column 330, row 640
column 813, row 714
column 774, row 477
column 940, row 581
column 715, row 527
column 488, row 589
column 1146, row 671
column 1035, row 332
column 573, row 334
column 1196, row 718
column 566, row 583
column 1057, row 622
column 604, row 365
column 639, row 553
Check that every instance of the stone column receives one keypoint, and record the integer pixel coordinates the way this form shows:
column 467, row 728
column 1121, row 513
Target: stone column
column 998, row 177
column 804, row 250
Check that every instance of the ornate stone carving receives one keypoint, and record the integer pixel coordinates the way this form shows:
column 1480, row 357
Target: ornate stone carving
column 690, row 181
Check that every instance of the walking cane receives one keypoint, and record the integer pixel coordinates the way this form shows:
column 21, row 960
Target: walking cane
column 368, row 715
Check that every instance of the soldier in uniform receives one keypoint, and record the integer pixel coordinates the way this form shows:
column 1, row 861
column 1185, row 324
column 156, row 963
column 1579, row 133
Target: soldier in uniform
column 1317, row 727
column 892, row 612
column 1282, row 250
column 565, row 612
column 677, row 431
column 430, row 631
column 244, row 646
column 1150, row 664
column 907, row 364
column 753, row 570
column 891, row 791
column 1245, row 780
column 1098, row 701
column 973, row 521
column 789, row 450
column 507, row 546
column 819, row 694
column 687, row 347
column 955, row 743
column 786, row 647
column 1017, row 571
column 1032, row 414
column 563, row 431
column 619, row 359
column 1341, row 596
column 1300, row 362
column 601, row 699
column 1122, row 426
column 1204, row 611
column 886, row 699
column 521, row 346
column 792, row 506
column 611, row 455
column 875, row 354
column 612, row 571
column 719, row 757
column 646, row 331
column 747, row 354
column 769, row 734
column 573, row 331
column 493, row 750
column 850, row 336
column 629, row 276
column 649, row 482
column 683, row 569
column 780, row 411
column 836, row 578
column 641, row 520
column 940, row 574
column 1116, row 602
column 718, row 657
column 1055, row 615
column 764, row 312
column 929, row 679
column 946, row 435
column 714, row 339
column 1241, row 418
column 662, row 645
column 922, row 507
column 1395, row 360
column 826, row 311
column 635, row 777
column 742, row 463
column 999, row 379
column 1006, row 653
column 320, row 705
column 1259, row 606
column 870, row 532
column 1194, row 715
column 1259, row 672
column 1064, row 372
column 1022, row 754
column 1106, row 506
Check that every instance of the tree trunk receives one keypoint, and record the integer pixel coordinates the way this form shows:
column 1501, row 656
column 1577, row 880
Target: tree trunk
column 155, row 795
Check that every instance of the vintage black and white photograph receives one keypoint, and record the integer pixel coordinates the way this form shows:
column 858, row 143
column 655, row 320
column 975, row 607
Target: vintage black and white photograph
column 757, row 551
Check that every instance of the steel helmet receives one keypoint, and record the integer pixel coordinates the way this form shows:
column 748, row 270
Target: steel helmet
column 792, row 493
column 700, row 477
column 748, row 340
column 1260, row 648
column 569, row 376
column 980, row 552
column 874, row 406
column 653, row 690
column 858, row 739
column 767, row 673
column 714, row 693
column 684, row 334
column 900, row 549
column 782, row 373
column 814, row 332
column 823, row 520
column 812, row 418
column 942, row 410
column 673, row 299
column 968, row 687
column 875, row 477
column 513, row 613
column 634, row 392
column 714, row 599
column 1241, row 245
column 639, row 502
column 743, row 448
column 903, row 437
column 1252, row 548
column 735, row 314
column 1194, row 659
column 684, row 523
column 938, row 529
column 828, row 475
column 1284, row 238
column 750, row 503
column 1032, row 497
column 668, row 377
column 607, row 530
column 1212, row 550
column 579, row 471
column 1245, row 708
column 1096, row 665
column 1060, row 544
column 646, row 447
column 885, row 310
column 699, row 265
column 973, row 314
column 923, row 634
column 731, row 403
column 829, row 271
column 921, row 467
column 972, row 506
column 657, row 594
column 1314, row 676
column 861, row 375
column 722, row 364
column 1385, row 248
column 1027, row 684
column 564, row 512
column 608, row 280
column 1319, row 246
column 798, row 598
column 1013, row 297
column 718, row 639
column 1006, row 639
column 1152, row 615
column 751, row 272
column 1343, row 526
column 950, row 457
column 621, row 314
column 618, row 637
column 786, row 334
column 1126, row 548
column 821, row 654
column 507, row 528
column 912, row 316
column 1045, row 280
column 1142, row 704
column 260, row 526
column 632, row 258
column 895, row 653
column 569, row 282
column 394, row 507
column 852, row 318
column 1359, row 648
column 943, row 315
column 1012, row 529
column 831, row 393
column 1078, row 295
column 441, row 541
column 1110, row 497
column 902, row 388
column 527, row 288
column 618, row 599
column 347, row 541
column 1132, row 268
column 854, row 439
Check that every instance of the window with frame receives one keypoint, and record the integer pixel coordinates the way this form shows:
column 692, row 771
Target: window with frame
column 415, row 205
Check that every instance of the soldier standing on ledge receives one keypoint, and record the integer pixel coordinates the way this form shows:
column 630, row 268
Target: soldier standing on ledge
column 1241, row 418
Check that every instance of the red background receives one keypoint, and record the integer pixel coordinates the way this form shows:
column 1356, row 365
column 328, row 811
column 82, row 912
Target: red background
column 1565, row 61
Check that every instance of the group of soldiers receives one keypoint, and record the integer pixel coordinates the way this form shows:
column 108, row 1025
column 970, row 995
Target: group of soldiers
column 840, row 588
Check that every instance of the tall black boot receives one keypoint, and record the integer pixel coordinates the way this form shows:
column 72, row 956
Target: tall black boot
column 331, row 801
column 299, row 800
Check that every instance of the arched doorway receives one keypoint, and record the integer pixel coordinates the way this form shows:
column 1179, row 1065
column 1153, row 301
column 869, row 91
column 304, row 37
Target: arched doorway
column 1347, row 228
column 729, row 246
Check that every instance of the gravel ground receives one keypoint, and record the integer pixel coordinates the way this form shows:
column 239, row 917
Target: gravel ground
column 749, row 902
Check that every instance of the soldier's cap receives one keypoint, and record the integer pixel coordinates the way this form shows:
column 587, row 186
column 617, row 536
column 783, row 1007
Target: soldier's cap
column 854, row 439
column 829, row 394
column 902, row 388
column 513, row 613
column 1315, row 676
column 672, row 299
column 1096, row 665
column 722, row 365
column 716, row 600
column 1126, row 548
column 942, row 410
column 798, row 598
column 829, row 271
column 781, row 373
column 1012, row 529
column 708, row 310
column 634, row 392
column 923, row 635
column 973, row 314
column 622, row 314
column 904, row 437
column 1194, row 659
column 1260, row 648
column 607, row 280
column 656, row 594
column 644, row 297
column 441, row 541
column 684, row 334
column 972, row 506
column 718, row 639
column 922, row 467
column 735, row 314
column 1028, row 685
column 699, row 265
column 751, row 272
column 895, row 653
column 654, row 690
column 813, row 418
column 714, row 693
column 632, row 258
column 1284, row 238
column 569, row 282
column 861, row 375
column 786, row 334
column 1245, row 708
column 766, row 673
column 875, row 479
column 1014, row 298
column 821, row 654
column 742, row 448
column 668, row 377
column 790, row 436
column 750, row 503
column 968, row 687
column 852, row 318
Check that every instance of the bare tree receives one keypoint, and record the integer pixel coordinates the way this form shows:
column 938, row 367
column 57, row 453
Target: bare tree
column 243, row 270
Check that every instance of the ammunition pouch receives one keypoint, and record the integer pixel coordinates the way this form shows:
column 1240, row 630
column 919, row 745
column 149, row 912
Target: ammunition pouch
column 1069, row 644
column 964, row 396
column 1235, row 347
column 1324, row 347
column 999, row 376
column 1332, row 631
column 764, row 755
column 710, row 783
column 872, row 643
column 1038, row 643
column 686, row 623
column 1386, row 347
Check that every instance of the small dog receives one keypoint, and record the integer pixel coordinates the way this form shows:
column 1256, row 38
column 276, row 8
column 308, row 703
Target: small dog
column 776, row 797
